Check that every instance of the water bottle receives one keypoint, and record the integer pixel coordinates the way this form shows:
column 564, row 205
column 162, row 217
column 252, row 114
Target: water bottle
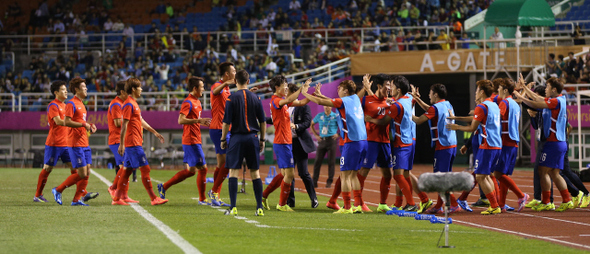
column 110, row 165
column 440, row 220
column 407, row 214
column 424, row 216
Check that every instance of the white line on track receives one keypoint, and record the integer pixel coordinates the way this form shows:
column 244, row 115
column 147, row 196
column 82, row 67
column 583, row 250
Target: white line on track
column 168, row 232
column 584, row 235
column 523, row 234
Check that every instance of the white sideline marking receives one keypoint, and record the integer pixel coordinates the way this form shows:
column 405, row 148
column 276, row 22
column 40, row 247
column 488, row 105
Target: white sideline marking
column 523, row 234
column 549, row 218
column 584, row 235
column 171, row 234
column 450, row 231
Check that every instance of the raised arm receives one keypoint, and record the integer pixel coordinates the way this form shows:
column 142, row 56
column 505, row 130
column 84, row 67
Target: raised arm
column 319, row 101
column 366, row 86
column 537, row 103
column 218, row 89
column 420, row 120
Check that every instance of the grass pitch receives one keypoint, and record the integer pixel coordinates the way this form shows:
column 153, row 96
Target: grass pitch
column 28, row 227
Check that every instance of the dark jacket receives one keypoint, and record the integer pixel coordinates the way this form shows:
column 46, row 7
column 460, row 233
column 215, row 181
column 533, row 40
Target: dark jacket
column 302, row 119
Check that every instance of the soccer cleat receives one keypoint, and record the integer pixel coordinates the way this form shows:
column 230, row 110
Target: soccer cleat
column 213, row 197
column 129, row 200
column 585, row 201
column 508, row 208
column 79, row 203
column 464, row 205
column 521, row 202
column 357, row 209
column 577, row 199
column 334, row 206
column 551, row 206
column 265, row 204
column 315, row 203
column 383, row 208
column 410, row 208
column 284, row 208
column 40, row 199
column 161, row 191
column 565, row 206
column 393, row 207
column 118, row 202
column 204, row 202
column 112, row 192
column 365, row 208
column 56, row 195
column 232, row 211
column 159, row 201
column 455, row 209
column 481, row 203
column 533, row 203
column 222, row 203
column 89, row 196
column 424, row 206
column 543, row 207
column 433, row 210
column 344, row 211
column 259, row 212
column 491, row 211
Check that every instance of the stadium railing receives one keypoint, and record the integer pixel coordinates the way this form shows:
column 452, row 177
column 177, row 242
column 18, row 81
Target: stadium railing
column 7, row 102
column 168, row 101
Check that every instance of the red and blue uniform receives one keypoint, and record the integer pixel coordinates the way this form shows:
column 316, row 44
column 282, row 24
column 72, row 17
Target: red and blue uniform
column 510, row 113
column 56, row 145
column 443, row 139
column 283, row 143
column 191, row 133
column 378, row 147
column 554, row 127
column 488, row 114
column 353, row 130
column 115, row 112
column 78, row 148
column 134, row 156
column 402, row 128
column 218, row 111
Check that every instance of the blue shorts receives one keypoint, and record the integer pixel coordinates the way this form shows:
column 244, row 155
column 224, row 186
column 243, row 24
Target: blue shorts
column 134, row 157
column 243, row 146
column 52, row 153
column 553, row 154
column 403, row 157
column 507, row 160
column 284, row 153
column 80, row 156
column 215, row 135
column 194, row 155
column 380, row 152
column 352, row 155
column 115, row 149
column 485, row 161
column 443, row 160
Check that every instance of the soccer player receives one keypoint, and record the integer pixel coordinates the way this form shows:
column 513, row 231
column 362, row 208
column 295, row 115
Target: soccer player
column 443, row 139
column 219, row 94
column 194, row 157
column 554, row 149
column 114, row 117
column 354, row 133
column 78, row 148
column 56, row 143
column 487, row 114
column 510, row 113
column 245, row 114
column 131, row 144
column 283, row 143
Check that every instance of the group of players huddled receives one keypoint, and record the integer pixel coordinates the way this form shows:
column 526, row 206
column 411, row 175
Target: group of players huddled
column 377, row 127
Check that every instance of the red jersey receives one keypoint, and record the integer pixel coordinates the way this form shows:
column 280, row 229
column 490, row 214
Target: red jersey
column 281, row 121
column 432, row 115
column 218, row 106
column 57, row 134
column 504, row 112
column 553, row 105
column 76, row 110
column 115, row 113
column 396, row 112
column 482, row 117
column 191, row 108
column 338, row 104
column 376, row 108
column 134, row 132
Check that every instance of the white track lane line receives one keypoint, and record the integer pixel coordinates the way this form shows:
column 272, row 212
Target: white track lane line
column 174, row 237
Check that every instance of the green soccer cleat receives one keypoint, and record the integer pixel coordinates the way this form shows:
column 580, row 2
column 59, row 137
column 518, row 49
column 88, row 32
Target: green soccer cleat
column 543, row 207
column 396, row 208
column 577, row 199
column 383, row 208
column 285, row 208
column 233, row 211
column 344, row 211
column 481, row 203
column 424, row 206
column 533, row 203
column 259, row 212
column 265, row 204
column 585, row 201
column 566, row 206
column 551, row 206
column 492, row 211
column 357, row 209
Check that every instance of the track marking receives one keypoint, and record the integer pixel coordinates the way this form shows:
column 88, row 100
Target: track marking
column 584, row 235
column 549, row 218
column 174, row 237
column 523, row 234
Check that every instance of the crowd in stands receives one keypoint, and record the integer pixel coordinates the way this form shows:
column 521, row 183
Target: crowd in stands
column 162, row 67
column 574, row 70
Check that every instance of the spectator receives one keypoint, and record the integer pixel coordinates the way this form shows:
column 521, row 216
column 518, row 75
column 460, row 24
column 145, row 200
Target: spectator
column 420, row 41
column 118, row 26
column 414, row 13
column 163, row 71
column 14, row 10
column 403, row 12
column 58, row 27
column 498, row 36
column 452, row 39
column 551, row 66
column 128, row 31
column 444, row 39
column 561, row 66
column 169, row 10
column 465, row 39
column 108, row 25
column 577, row 35
column 294, row 5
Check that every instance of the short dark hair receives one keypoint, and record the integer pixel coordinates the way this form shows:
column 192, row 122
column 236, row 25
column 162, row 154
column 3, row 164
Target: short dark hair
column 242, row 77
column 540, row 90
column 276, row 81
column 130, row 84
column 194, row 82
column 555, row 83
column 402, row 83
column 75, row 84
column 224, row 67
column 293, row 88
column 570, row 53
column 56, row 85
column 552, row 55
column 486, row 86
column 440, row 90
column 497, row 83
column 349, row 85
column 508, row 84
column 120, row 86
column 378, row 80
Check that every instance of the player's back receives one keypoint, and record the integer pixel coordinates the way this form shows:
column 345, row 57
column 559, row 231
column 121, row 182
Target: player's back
column 114, row 112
